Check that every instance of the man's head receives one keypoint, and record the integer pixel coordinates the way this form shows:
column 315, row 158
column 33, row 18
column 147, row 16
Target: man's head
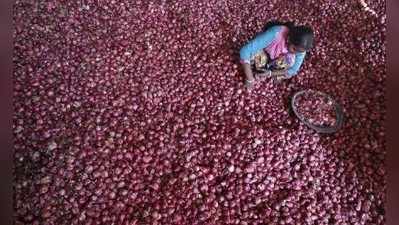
column 300, row 39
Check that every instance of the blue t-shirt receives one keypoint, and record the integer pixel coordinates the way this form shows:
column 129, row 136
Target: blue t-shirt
column 261, row 42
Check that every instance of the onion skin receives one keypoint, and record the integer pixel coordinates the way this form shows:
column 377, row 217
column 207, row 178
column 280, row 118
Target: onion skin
column 134, row 112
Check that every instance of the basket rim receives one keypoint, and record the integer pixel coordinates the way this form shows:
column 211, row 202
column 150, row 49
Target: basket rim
column 319, row 129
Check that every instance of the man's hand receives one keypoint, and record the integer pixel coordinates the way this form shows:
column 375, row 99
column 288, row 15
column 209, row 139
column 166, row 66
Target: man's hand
column 264, row 75
column 248, row 73
column 280, row 77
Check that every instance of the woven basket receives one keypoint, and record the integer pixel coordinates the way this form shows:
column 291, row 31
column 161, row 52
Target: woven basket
column 320, row 129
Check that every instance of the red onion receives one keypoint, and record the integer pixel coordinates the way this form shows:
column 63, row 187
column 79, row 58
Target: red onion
column 316, row 109
column 146, row 120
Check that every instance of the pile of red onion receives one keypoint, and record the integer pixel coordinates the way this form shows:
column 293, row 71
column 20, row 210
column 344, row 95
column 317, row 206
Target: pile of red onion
column 316, row 108
column 134, row 112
